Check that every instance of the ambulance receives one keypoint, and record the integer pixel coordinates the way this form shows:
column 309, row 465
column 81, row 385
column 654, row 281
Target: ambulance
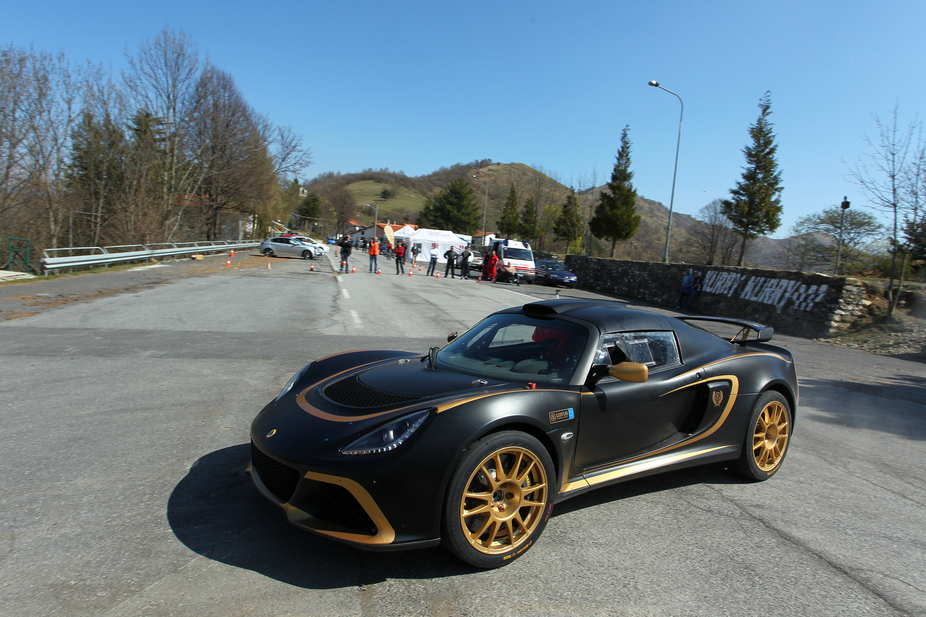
column 518, row 254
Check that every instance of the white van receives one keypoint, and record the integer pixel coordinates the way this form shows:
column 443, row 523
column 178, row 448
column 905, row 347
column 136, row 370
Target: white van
column 518, row 254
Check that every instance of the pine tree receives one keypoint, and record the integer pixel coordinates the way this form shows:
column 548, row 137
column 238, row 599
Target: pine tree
column 568, row 224
column 755, row 206
column 95, row 174
column 509, row 224
column 616, row 217
column 453, row 208
column 529, row 220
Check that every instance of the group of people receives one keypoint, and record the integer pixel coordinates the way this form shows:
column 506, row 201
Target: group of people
column 691, row 287
column 452, row 257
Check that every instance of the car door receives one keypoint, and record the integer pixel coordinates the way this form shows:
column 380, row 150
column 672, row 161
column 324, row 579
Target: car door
column 621, row 420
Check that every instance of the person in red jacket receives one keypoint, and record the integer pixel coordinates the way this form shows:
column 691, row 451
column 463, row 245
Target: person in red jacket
column 400, row 257
column 488, row 266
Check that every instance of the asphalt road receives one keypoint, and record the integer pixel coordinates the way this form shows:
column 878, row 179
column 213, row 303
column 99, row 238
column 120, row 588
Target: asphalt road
column 126, row 400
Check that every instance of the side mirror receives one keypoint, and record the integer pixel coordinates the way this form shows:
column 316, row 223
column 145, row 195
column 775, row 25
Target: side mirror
column 451, row 336
column 630, row 371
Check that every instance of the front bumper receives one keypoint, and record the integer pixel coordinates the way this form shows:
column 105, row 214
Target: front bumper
column 335, row 506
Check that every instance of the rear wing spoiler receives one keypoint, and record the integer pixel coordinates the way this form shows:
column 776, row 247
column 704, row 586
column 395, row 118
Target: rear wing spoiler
column 762, row 333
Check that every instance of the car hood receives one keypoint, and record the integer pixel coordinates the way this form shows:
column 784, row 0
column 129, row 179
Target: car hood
column 398, row 383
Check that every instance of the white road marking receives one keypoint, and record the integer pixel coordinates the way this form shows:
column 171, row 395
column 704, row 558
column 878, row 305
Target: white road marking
column 356, row 317
column 346, row 295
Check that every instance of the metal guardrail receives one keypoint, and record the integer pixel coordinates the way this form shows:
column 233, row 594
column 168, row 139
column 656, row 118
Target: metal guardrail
column 99, row 256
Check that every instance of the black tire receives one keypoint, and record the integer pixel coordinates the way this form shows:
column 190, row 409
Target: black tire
column 489, row 523
column 307, row 255
column 767, row 437
column 268, row 252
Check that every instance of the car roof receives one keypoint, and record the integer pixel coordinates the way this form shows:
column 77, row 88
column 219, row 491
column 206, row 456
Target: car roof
column 606, row 315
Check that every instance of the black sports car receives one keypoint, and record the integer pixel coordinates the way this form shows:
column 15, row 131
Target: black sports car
column 472, row 444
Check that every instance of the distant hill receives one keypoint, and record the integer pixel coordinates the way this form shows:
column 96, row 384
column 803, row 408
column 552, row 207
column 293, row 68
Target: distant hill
column 405, row 195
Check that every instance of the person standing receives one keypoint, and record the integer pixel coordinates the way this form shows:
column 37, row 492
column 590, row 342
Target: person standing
column 451, row 256
column 695, row 289
column 374, row 256
column 686, row 289
column 489, row 263
column 400, row 258
column 432, row 265
column 415, row 250
column 345, row 254
column 465, row 257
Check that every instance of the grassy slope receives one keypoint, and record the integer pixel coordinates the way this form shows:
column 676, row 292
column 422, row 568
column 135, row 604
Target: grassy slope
column 647, row 245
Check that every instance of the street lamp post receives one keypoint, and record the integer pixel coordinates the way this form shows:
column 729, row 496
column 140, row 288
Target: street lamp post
column 375, row 219
column 842, row 223
column 655, row 84
column 485, row 209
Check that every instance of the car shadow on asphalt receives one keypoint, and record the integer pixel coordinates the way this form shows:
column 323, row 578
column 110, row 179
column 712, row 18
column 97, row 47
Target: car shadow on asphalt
column 216, row 511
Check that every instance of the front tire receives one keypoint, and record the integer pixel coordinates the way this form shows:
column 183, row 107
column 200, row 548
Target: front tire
column 499, row 499
column 268, row 252
column 767, row 437
column 307, row 255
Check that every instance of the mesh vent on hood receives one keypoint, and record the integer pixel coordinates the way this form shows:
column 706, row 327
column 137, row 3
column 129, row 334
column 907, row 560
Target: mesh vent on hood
column 350, row 392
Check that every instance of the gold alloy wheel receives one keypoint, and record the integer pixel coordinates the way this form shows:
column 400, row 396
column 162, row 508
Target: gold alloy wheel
column 504, row 500
column 770, row 438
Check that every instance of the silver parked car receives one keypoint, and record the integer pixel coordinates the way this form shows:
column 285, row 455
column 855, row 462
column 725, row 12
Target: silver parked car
column 288, row 247
column 312, row 241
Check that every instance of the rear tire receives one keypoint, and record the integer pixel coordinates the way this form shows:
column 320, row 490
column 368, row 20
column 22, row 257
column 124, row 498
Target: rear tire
column 767, row 437
column 499, row 499
column 268, row 252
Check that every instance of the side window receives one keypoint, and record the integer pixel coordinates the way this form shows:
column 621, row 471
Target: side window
column 654, row 349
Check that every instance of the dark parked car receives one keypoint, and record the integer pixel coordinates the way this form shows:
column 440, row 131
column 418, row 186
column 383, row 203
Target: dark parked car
column 471, row 445
column 555, row 273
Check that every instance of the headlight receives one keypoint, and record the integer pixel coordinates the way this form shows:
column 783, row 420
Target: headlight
column 388, row 437
column 292, row 381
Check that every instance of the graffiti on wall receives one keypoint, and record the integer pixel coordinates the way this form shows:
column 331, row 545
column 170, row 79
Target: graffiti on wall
column 776, row 292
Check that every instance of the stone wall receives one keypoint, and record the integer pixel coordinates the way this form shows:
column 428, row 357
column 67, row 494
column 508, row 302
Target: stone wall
column 802, row 303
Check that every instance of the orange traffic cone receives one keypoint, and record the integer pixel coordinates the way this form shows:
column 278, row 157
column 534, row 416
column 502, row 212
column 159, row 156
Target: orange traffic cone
column 438, row 274
column 410, row 271
column 268, row 266
column 378, row 270
column 353, row 270
column 228, row 262
column 479, row 280
column 233, row 252
column 419, row 268
column 311, row 267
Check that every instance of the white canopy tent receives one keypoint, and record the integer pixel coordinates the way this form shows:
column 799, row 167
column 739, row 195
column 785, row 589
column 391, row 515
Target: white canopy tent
column 431, row 241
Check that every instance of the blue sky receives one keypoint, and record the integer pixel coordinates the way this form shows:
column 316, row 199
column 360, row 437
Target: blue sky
column 415, row 86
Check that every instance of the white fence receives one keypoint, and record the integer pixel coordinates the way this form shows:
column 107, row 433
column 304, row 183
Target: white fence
column 99, row 256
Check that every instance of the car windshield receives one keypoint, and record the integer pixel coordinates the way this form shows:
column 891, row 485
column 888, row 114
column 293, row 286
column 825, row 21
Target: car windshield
column 521, row 254
column 552, row 265
column 517, row 348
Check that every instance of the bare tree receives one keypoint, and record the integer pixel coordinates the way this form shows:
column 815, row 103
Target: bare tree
column 882, row 175
column 38, row 96
column 162, row 80
column 344, row 206
column 714, row 240
column 19, row 109
column 290, row 156
column 234, row 164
